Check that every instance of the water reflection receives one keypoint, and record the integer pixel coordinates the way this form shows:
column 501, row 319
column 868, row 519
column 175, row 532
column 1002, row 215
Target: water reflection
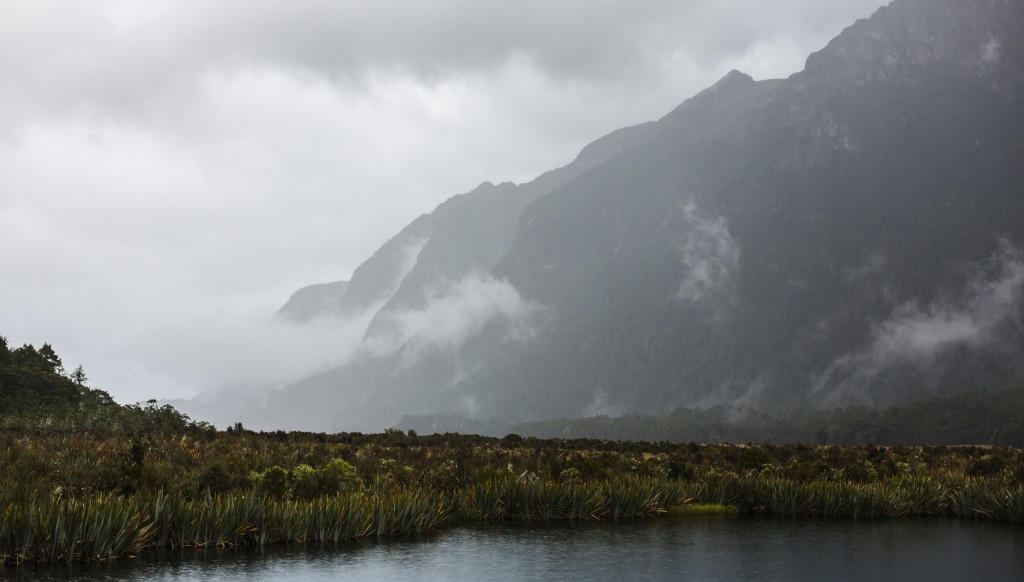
column 659, row 549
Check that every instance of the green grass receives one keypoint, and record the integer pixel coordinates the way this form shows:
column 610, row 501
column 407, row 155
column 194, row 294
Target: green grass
column 703, row 509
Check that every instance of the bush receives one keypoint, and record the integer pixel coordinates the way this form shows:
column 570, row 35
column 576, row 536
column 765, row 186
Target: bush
column 987, row 465
column 272, row 481
column 215, row 479
column 337, row 475
column 302, row 481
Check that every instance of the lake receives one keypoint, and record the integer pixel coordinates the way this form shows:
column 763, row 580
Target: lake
column 686, row 548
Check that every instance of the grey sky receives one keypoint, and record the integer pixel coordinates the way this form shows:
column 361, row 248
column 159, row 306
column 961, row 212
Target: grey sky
column 171, row 171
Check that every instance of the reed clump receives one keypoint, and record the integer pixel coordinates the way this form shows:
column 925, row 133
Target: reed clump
column 103, row 528
column 532, row 499
column 975, row 499
column 911, row 496
column 54, row 530
column 68, row 530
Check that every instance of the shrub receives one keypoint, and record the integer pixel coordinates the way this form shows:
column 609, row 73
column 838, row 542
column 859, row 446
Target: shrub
column 215, row 478
column 272, row 481
column 302, row 482
column 337, row 475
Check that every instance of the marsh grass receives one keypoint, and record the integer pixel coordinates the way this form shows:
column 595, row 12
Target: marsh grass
column 67, row 530
column 704, row 509
column 975, row 499
column 910, row 496
column 104, row 528
column 385, row 490
column 896, row 498
column 535, row 500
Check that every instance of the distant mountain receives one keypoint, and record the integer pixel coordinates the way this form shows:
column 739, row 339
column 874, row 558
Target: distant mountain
column 468, row 233
column 849, row 235
column 314, row 301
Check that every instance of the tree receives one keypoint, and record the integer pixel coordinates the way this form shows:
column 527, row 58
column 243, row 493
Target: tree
column 51, row 358
column 78, row 375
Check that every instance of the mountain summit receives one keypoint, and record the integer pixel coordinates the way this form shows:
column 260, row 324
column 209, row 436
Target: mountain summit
column 851, row 234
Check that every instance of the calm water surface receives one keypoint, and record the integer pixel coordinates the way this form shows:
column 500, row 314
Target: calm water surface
column 656, row 549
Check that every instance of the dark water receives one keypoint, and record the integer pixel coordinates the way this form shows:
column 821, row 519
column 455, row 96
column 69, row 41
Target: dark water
column 657, row 549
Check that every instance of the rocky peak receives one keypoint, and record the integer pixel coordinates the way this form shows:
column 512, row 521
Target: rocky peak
column 908, row 37
column 732, row 80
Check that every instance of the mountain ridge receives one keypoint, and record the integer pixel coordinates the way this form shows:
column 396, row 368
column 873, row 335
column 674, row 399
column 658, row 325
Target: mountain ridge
column 848, row 235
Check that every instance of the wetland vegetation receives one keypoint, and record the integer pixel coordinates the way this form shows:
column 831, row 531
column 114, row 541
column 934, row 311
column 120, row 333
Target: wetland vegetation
column 83, row 478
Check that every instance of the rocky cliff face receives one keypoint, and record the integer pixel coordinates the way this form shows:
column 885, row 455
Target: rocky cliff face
column 851, row 234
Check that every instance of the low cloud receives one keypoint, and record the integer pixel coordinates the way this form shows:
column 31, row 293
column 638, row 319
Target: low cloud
column 709, row 257
column 244, row 352
column 454, row 313
column 601, row 405
column 990, row 50
column 920, row 335
column 873, row 264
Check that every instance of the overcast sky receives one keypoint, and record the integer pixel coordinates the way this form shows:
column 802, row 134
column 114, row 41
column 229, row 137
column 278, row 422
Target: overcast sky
column 171, row 171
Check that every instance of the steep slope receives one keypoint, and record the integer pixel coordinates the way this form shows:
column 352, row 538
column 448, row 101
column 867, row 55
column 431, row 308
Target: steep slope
column 313, row 301
column 429, row 291
column 467, row 233
column 851, row 234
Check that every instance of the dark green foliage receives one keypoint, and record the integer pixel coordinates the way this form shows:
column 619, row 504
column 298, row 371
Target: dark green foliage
column 214, row 478
column 337, row 476
column 37, row 394
column 272, row 482
column 131, row 468
column 303, row 483
column 78, row 376
column 33, row 379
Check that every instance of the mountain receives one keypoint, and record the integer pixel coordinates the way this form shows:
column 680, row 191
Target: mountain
column 467, row 233
column 849, row 235
column 314, row 301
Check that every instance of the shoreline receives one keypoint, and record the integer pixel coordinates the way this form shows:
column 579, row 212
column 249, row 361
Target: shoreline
column 107, row 528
